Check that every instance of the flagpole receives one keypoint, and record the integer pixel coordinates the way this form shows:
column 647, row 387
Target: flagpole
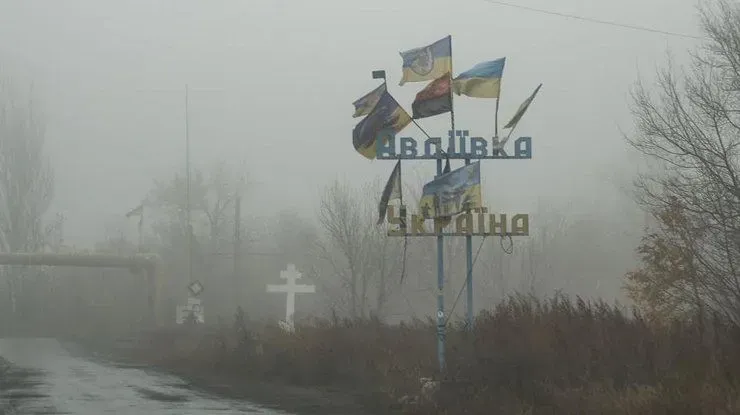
column 495, row 116
column 402, row 215
column 402, row 208
column 381, row 75
column 412, row 118
column 511, row 131
column 141, row 227
column 468, row 238
column 441, row 319
column 498, row 99
column 422, row 130
column 470, row 246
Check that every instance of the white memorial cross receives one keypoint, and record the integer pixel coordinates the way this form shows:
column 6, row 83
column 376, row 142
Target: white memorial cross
column 290, row 276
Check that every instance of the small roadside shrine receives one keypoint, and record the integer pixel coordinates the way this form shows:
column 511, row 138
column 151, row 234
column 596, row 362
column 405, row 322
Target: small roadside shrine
column 193, row 307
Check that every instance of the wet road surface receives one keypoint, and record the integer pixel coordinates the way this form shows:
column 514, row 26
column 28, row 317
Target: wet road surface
column 47, row 377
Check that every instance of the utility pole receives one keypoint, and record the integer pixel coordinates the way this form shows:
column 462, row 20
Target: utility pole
column 237, row 249
column 187, row 190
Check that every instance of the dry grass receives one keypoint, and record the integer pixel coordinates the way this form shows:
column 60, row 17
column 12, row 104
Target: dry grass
column 523, row 357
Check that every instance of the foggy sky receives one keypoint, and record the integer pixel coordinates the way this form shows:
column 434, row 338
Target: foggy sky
column 272, row 84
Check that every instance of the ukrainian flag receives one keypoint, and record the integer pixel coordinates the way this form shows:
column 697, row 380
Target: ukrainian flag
column 427, row 62
column 385, row 120
column 452, row 193
column 481, row 81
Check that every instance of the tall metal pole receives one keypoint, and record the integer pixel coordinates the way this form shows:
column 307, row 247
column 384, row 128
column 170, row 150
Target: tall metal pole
column 237, row 249
column 441, row 320
column 469, row 275
column 141, row 231
column 187, row 187
column 469, row 244
column 469, row 267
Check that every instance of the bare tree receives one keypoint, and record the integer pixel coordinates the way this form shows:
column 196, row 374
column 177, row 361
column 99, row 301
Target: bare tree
column 26, row 179
column 212, row 198
column 539, row 254
column 668, row 285
column 359, row 252
column 690, row 129
column 213, row 193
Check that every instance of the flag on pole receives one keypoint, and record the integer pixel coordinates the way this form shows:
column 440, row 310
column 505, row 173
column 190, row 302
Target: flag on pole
column 452, row 193
column 445, row 220
column 365, row 105
column 137, row 211
column 522, row 109
column 427, row 62
column 434, row 99
column 481, row 81
column 379, row 75
column 392, row 191
column 385, row 120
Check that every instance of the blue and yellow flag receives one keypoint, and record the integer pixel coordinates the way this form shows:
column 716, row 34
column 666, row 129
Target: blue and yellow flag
column 364, row 105
column 481, row 81
column 385, row 120
column 452, row 193
column 427, row 62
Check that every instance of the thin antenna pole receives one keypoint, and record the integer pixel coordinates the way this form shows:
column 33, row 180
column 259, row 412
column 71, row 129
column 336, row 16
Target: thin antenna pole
column 187, row 189
column 141, row 231
column 237, row 249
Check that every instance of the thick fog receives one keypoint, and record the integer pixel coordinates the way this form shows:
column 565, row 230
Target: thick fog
column 271, row 84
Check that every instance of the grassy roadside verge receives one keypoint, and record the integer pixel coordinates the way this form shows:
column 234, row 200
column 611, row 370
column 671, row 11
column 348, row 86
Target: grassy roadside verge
column 182, row 355
column 525, row 356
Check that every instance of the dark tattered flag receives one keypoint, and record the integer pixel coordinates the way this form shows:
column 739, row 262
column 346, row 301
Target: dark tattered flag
column 137, row 211
column 391, row 191
column 434, row 99
column 522, row 109
column 386, row 119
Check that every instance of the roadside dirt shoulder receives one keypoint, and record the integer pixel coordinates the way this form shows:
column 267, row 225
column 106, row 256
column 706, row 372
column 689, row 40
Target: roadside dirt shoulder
column 274, row 395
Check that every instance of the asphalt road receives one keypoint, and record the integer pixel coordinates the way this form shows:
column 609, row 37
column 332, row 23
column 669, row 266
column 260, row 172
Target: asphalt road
column 43, row 376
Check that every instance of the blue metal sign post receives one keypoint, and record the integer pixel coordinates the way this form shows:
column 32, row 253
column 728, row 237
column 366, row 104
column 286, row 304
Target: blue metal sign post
column 458, row 145
column 469, row 276
column 467, row 224
column 440, row 292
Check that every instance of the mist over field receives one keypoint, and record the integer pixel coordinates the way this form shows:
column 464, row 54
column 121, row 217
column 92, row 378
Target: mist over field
column 167, row 143
column 271, row 103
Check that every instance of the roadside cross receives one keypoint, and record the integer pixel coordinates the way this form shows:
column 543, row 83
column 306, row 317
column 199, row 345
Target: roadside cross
column 290, row 275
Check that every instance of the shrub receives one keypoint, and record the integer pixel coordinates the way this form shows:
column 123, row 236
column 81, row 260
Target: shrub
column 524, row 356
